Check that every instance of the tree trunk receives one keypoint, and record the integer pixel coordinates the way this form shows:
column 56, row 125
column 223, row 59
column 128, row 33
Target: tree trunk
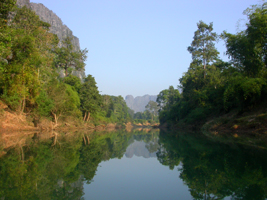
column 55, row 139
column 84, row 140
column 22, row 104
column 88, row 116
column 88, row 141
column 56, row 118
column 85, row 115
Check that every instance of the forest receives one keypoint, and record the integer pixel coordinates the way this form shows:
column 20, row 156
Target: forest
column 30, row 61
column 225, row 90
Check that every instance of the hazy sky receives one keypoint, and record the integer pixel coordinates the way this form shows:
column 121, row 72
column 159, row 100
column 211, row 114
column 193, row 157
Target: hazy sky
column 139, row 47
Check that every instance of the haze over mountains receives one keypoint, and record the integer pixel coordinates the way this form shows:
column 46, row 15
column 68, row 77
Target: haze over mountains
column 139, row 103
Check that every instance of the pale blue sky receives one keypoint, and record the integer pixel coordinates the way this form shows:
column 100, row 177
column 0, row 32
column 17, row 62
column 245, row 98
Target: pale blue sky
column 139, row 47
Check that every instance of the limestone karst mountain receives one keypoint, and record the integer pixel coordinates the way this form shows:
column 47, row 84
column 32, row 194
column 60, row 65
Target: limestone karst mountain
column 139, row 103
column 57, row 27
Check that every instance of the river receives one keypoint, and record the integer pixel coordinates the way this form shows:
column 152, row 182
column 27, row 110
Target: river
column 141, row 164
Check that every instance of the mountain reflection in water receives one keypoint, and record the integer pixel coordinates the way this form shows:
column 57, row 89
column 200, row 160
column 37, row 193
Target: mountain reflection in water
column 163, row 165
column 140, row 148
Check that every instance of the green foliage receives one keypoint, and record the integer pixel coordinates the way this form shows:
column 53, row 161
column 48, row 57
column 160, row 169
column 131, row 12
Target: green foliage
column 26, row 52
column 91, row 100
column 74, row 81
column 243, row 92
column 65, row 100
column 115, row 109
column 44, row 104
column 202, row 47
column 247, row 49
column 167, row 98
column 67, row 58
column 28, row 55
column 239, row 84
column 152, row 107
column 13, row 101
column 5, row 7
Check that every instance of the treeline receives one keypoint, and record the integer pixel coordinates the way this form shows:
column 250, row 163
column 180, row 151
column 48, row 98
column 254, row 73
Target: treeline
column 150, row 115
column 30, row 62
column 212, row 87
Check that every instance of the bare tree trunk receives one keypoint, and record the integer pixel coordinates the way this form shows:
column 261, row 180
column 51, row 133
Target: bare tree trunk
column 84, row 140
column 88, row 116
column 85, row 115
column 56, row 118
column 22, row 104
column 88, row 141
column 55, row 139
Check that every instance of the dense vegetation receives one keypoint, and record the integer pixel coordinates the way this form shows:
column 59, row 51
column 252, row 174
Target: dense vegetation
column 150, row 115
column 212, row 87
column 30, row 62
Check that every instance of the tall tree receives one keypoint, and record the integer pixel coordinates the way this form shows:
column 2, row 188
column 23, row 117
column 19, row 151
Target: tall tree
column 29, row 45
column 202, row 47
column 167, row 98
column 91, row 100
column 65, row 100
column 152, row 106
column 247, row 49
column 68, row 59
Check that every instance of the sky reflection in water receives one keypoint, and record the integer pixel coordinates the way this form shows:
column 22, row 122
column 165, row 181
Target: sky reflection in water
column 136, row 178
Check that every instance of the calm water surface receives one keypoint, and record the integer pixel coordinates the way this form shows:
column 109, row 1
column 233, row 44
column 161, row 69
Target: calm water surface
column 146, row 164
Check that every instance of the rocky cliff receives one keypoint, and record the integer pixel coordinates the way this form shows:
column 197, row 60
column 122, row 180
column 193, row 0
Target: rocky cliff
column 139, row 103
column 57, row 27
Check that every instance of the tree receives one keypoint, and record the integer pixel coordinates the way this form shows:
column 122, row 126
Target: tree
column 168, row 97
column 202, row 47
column 68, row 59
column 28, row 50
column 65, row 100
column 152, row 106
column 74, row 81
column 247, row 49
column 6, row 6
column 91, row 100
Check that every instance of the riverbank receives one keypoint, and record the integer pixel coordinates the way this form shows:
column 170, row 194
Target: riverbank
column 14, row 121
column 251, row 123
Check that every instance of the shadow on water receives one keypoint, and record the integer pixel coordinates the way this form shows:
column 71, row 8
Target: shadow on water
column 57, row 165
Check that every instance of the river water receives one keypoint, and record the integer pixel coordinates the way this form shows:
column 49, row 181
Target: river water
column 142, row 164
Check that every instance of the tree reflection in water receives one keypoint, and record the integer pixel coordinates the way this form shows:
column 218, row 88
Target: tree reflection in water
column 57, row 167
column 215, row 170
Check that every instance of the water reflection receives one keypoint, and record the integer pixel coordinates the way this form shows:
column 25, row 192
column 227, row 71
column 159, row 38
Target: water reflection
column 58, row 165
column 144, row 148
column 214, row 170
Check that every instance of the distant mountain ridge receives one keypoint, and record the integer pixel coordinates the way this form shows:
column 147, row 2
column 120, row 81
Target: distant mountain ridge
column 139, row 103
